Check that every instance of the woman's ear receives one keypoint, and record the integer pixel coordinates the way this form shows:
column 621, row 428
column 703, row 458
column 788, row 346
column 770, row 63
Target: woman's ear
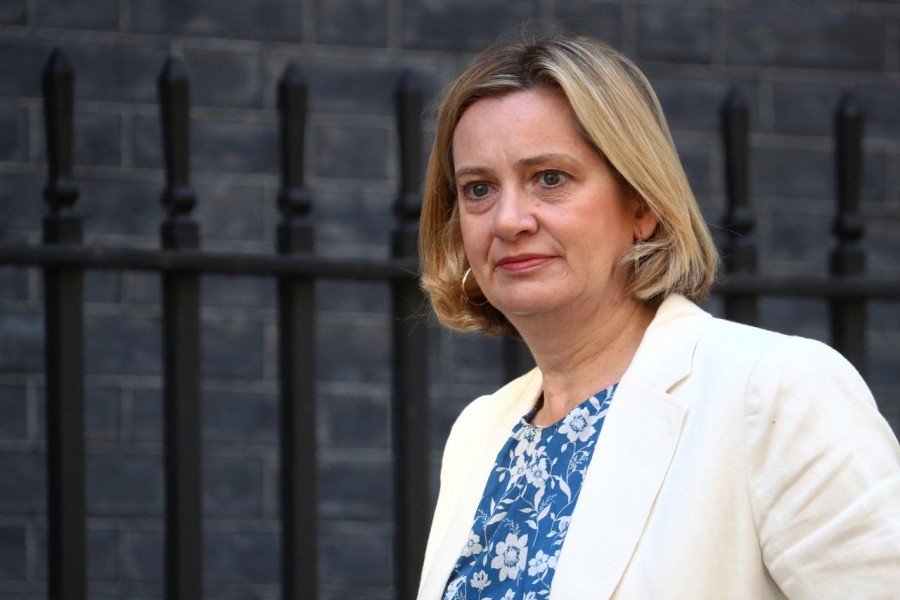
column 645, row 221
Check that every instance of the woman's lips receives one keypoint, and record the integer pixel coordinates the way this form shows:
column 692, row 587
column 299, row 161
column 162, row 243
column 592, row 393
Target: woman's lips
column 522, row 262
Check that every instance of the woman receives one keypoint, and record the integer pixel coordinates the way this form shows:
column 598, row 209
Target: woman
column 655, row 452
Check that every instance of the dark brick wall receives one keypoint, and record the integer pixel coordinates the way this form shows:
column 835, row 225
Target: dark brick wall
column 791, row 58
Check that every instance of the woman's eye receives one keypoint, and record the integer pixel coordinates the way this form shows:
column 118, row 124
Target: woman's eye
column 552, row 178
column 478, row 190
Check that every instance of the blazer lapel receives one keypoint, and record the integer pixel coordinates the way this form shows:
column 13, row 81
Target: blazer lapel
column 497, row 428
column 632, row 456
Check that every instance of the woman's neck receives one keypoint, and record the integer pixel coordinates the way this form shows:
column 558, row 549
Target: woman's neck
column 579, row 357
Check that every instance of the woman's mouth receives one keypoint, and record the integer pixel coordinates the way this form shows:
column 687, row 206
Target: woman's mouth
column 522, row 262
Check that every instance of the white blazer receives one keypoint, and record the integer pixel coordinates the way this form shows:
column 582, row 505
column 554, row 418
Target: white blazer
column 733, row 463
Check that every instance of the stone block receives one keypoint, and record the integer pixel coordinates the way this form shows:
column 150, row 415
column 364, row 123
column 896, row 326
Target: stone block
column 461, row 25
column 476, row 360
column 122, row 346
column 356, row 491
column 352, row 22
column 102, row 554
column 241, row 557
column 23, row 484
column 696, row 158
column 805, row 39
column 120, row 207
column 232, row 487
column 353, row 421
column 21, row 204
column 143, row 288
column 239, row 292
column 806, row 317
column 802, row 238
column 103, row 287
column 232, row 349
column 789, row 173
column 13, row 413
column 13, row 283
column 693, row 104
column 231, row 209
column 103, row 413
column 14, row 142
column 270, row 20
column 236, row 147
column 143, row 555
column 22, row 62
column 116, row 72
column 21, row 342
column 353, row 152
column 355, row 559
column 883, row 245
column 675, row 34
column 147, row 415
column 89, row 14
column 357, row 86
column 354, row 352
column 98, row 139
column 353, row 296
column 240, row 417
column 124, row 485
column 806, row 108
column 13, row 12
column 354, row 224
column 602, row 21
column 232, row 79
column 13, row 553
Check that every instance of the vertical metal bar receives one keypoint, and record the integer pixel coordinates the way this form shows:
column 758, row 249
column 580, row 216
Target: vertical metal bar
column 740, row 249
column 848, row 259
column 181, row 345
column 297, row 355
column 64, row 346
column 409, row 407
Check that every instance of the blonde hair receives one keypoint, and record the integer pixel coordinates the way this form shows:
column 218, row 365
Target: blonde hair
column 621, row 118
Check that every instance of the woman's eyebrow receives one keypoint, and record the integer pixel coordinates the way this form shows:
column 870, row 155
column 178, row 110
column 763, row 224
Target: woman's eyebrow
column 543, row 158
column 464, row 171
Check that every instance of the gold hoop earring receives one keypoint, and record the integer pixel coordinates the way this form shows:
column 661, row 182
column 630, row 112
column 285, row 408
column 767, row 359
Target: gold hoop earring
column 465, row 292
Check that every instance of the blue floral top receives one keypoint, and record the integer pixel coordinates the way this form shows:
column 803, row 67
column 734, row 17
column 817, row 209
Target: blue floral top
column 521, row 522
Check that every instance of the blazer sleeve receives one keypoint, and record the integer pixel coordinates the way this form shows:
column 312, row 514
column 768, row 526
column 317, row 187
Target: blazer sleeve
column 823, row 469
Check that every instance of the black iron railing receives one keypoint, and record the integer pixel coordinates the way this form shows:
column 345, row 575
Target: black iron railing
column 181, row 264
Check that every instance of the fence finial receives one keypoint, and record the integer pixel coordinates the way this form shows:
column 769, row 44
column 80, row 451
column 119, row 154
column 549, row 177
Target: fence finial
column 740, row 250
column 848, row 226
column 410, row 104
column 179, row 230
column 59, row 97
column 294, row 200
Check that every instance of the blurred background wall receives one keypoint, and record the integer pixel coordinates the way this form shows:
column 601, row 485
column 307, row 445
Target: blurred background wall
column 792, row 59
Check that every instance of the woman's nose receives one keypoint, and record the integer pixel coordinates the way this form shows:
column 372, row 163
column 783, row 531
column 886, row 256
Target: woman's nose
column 513, row 215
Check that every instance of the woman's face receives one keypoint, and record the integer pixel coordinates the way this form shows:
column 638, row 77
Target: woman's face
column 543, row 220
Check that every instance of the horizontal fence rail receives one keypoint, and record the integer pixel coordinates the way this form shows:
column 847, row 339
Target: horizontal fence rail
column 181, row 264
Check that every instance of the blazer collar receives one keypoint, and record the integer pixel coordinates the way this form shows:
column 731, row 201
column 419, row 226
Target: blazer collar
column 633, row 452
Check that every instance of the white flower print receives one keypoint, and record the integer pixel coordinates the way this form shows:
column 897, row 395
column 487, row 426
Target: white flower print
column 538, row 564
column 553, row 559
column 452, row 592
column 480, row 580
column 518, row 469
column 529, row 437
column 511, row 556
column 509, row 595
column 578, row 425
column 536, row 473
column 473, row 545
column 530, row 596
